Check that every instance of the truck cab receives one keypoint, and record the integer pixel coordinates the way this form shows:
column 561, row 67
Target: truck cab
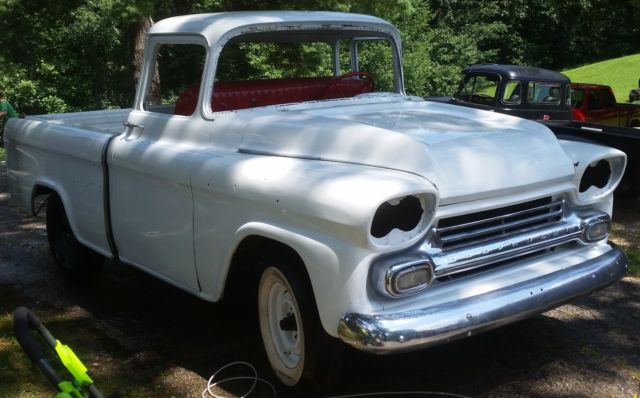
column 530, row 93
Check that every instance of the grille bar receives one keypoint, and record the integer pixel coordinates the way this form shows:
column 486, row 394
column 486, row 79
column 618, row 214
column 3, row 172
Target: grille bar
column 460, row 231
column 503, row 226
column 498, row 218
column 456, row 261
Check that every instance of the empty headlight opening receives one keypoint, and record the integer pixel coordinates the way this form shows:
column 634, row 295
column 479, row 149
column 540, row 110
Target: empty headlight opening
column 597, row 175
column 404, row 214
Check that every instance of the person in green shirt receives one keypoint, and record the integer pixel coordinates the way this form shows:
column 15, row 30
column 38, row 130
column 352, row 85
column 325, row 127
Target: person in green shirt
column 6, row 110
column 6, row 113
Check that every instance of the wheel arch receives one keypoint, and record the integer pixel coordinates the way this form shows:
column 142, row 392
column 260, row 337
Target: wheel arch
column 249, row 256
column 38, row 190
column 45, row 187
column 317, row 263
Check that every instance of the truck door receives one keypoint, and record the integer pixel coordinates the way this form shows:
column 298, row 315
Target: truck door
column 595, row 111
column 610, row 112
column 150, row 166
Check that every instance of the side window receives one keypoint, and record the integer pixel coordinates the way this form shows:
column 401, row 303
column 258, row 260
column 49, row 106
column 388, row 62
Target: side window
column 543, row 93
column 607, row 98
column 512, row 92
column 375, row 58
column 594, row 101
column 175, row 84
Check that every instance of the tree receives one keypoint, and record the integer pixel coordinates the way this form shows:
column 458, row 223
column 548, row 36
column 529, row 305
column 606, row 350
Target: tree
column 85, row 54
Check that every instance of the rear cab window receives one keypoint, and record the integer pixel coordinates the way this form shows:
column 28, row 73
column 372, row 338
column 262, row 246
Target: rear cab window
column 544, row 93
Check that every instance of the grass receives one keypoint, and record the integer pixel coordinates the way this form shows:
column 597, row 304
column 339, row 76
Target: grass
column 3, row 154
column 621, row 74
column 20, row 378
column 112, row 367
column 633, row 253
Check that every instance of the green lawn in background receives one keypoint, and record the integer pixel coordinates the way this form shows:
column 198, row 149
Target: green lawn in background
column 3, row 154
column 621, row 74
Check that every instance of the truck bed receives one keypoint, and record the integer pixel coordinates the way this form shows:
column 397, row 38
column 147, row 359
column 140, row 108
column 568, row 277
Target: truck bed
column 109, row 121
column 66, row 153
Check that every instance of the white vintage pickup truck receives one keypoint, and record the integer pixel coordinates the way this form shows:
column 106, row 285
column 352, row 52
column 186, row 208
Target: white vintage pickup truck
column 275, row 156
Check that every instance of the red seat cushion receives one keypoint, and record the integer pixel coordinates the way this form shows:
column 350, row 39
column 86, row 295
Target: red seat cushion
column 241, row 94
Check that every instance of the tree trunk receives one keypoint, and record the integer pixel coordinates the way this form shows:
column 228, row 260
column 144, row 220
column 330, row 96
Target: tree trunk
column 139, row 33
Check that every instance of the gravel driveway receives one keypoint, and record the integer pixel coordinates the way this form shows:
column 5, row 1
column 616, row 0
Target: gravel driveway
column 142, row 337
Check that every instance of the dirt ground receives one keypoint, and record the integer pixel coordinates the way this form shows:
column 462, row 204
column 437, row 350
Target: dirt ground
column 142, row 337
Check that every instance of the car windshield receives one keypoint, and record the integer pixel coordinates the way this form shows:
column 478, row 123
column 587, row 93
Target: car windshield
column 478, row 89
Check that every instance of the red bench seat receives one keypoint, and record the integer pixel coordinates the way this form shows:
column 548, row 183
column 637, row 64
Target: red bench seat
column 241, row 94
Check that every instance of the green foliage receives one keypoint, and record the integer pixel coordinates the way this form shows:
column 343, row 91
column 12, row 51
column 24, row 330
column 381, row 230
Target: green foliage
column 248, row 61
column 77, row 54
column 633, row 254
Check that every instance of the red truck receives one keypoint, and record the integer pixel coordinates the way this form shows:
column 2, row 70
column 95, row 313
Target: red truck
column 595, row 103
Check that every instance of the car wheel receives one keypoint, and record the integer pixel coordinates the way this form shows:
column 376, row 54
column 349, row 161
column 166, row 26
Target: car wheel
column 297, row 348
column 69, row 254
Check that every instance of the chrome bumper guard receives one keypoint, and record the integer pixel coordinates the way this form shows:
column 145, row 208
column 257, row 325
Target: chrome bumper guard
column 411, row 330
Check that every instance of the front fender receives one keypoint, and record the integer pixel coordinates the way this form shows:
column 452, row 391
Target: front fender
column 584, row 155
column 327, row 261
column 321, row 210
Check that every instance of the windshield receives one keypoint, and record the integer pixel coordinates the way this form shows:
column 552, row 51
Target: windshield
column 479, row 89
column 280, row 68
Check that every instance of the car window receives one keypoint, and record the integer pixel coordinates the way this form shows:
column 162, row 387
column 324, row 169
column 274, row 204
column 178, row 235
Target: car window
column 607, row 98
column 544, row 93
column 178, row 69
column 267, row 60
column 479, row 89
column 594, row 101
column 376, row 58
column 512, row 92
column 254, row 70
column 577, row 97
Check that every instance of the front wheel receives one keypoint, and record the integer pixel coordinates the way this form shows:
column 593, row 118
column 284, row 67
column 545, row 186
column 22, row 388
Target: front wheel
column 298, row 349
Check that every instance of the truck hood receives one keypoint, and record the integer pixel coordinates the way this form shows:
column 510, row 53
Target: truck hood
column 466, row 153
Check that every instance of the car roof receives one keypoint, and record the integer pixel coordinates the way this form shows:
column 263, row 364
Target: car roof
column 214, row 25
column 519, row 72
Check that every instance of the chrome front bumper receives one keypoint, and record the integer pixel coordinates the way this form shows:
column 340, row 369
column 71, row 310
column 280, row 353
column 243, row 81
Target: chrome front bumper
column 392, row 332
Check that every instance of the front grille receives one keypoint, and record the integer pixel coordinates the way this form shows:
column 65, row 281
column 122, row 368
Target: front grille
column 460, row 231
